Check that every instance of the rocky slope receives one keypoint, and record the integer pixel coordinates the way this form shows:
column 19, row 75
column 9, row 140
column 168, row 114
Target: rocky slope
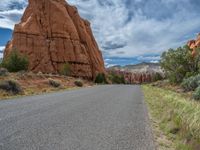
column 51, row 33
column 33, row 84
column 140, row 73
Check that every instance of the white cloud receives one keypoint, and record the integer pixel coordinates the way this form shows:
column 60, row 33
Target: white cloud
column 143, row 31
column 154, row 61
column 11, row 12
column 128, row 28
column 110, row 65
column 1, row 50
column 10, row 18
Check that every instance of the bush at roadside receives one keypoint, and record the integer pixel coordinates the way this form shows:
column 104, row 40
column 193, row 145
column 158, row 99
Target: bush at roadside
column 116, row 79
column 11, row 86
column 180, row 63
column 54, row 83
column 196, row 94
column 3, row 72
column 78, row 83
column 101, row 79
column 15, row 62
column 190, row 84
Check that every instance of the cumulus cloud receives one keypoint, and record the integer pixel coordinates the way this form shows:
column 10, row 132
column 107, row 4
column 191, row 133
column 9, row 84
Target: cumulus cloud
column 9, row 18
column 128, row 28
column 11, row 12
column 1, row 51
column 2, row 48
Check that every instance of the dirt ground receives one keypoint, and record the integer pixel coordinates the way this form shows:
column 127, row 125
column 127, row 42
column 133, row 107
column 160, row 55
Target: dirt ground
column 32, row 84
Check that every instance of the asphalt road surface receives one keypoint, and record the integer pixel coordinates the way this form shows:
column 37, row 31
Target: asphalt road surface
column 112, row 117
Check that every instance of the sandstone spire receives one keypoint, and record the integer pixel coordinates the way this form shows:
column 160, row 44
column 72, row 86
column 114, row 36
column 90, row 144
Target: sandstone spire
column 51, row 33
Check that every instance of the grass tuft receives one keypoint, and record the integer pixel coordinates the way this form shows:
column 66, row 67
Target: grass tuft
column 179, row 116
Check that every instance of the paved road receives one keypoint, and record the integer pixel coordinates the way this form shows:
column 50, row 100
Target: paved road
column 97, row 118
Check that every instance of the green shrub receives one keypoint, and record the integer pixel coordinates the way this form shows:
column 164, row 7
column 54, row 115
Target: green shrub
column 54, row 83
column 78, row 83
column 11, row 86
column 1, row 60
column 179, row 63
column 101, row 79
column 65, row 70
column 190, row 84
column 157, row 76
column 3, row 72
column 116, row 79
column 15, row 62
column 196, row 94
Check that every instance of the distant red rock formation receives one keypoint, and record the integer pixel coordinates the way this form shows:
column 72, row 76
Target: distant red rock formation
column 138, row 77
column 51, row 33
column 193, row 44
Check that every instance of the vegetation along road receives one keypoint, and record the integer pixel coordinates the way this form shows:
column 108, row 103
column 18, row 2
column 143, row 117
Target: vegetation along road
column 110, row 117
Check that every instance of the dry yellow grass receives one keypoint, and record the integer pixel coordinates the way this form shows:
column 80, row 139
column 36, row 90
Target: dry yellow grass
column 176, row 116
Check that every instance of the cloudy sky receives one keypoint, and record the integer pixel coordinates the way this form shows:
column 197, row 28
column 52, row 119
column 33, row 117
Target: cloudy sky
column 127, row 31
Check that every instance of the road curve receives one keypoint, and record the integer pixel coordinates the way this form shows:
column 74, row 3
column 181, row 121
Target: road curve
column 112, row 117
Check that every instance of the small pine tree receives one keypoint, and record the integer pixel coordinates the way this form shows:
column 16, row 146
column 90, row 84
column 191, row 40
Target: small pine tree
column 15, row 62
column 101, row 79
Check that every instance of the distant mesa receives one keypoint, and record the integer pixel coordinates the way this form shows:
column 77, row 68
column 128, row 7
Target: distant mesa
column 51, row 33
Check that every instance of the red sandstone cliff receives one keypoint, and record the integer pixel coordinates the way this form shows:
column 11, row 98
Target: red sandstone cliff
column 51, row 33
column 193, row 44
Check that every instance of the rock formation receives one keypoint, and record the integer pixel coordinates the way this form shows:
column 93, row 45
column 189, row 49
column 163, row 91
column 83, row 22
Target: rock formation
column 51, row 33
column 193, row 44
column 140, row 73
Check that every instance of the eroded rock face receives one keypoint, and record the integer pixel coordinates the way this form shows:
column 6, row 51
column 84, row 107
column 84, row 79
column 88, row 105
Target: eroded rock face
column 138, row 77
column 140, row 73
column 193, row 44
column 51, row 33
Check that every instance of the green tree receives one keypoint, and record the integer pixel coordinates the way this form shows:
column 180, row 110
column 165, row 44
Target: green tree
column 116, row 79
column 178, row 63
column 157, row 76
column 15, row 62
column 101, row 78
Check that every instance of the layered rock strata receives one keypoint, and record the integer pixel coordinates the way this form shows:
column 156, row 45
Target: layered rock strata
column 51, row 33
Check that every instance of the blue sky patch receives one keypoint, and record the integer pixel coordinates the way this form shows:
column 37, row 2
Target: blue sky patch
column 5, row 36
column 127, row 31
